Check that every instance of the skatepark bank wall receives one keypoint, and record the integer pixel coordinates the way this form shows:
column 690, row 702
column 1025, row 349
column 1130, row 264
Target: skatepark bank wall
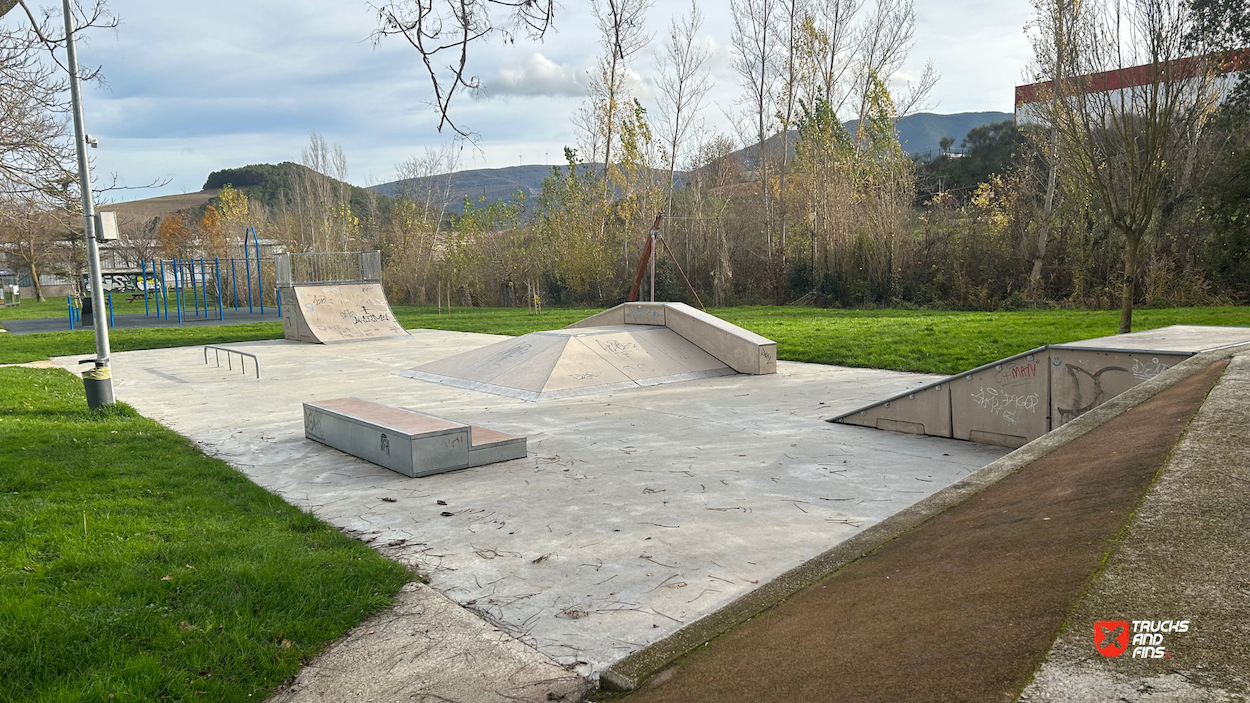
column 334, row 297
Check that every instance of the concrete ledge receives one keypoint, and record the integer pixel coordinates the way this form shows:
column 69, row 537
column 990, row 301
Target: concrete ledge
column 630, row 672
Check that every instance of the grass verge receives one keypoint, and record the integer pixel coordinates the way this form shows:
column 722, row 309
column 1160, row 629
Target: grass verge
column 134, row 567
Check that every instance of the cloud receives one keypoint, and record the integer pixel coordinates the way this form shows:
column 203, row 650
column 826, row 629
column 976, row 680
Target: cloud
column 536, row 76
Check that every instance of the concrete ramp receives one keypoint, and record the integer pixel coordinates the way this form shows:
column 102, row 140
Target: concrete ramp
column 629, row 346
column 326, row 314
column 1015, row 400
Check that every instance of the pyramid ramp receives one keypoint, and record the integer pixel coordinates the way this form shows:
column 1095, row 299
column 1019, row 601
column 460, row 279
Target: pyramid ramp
column 1015, row 400
column 325, row 314
column 629, row 346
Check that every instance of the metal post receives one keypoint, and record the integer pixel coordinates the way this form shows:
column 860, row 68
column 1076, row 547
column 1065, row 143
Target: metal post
column 177, row 291
column 204, row 285
column 98, row 381
column 234, row 281
column 247, row 264
column 654, row 232
column 195, row 293
column 143, row 277
column 110, row 297
column 221, row 315
column 164, row 289
column 69, row 302
column 260, row 290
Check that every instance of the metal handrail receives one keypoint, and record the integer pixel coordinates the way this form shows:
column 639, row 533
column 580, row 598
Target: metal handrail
column 229, row 364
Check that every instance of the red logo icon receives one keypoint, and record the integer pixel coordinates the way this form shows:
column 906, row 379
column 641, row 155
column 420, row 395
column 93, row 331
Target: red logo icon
column 1111, row 637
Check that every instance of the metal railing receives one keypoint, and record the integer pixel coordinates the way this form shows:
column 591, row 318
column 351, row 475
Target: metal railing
column 324, row 268
column 230, row 364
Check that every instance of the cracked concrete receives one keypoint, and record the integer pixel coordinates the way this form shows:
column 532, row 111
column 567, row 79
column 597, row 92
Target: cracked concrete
column 637, row 511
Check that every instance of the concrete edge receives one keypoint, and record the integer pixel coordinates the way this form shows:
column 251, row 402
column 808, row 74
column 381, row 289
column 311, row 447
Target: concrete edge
column 630, row 672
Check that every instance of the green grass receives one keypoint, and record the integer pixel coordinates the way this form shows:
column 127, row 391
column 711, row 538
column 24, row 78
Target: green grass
column 134, row 568
column 934, row 341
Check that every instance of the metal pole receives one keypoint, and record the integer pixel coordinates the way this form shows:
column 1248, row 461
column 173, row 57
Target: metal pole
column 177, row 291
column 234, row 281
column 195, row 293
column 654, row 232
column 99, row 380
column 110, row 296
column 260, row 290
column 164, row 289
column 221, row 315
column 204, row 285
column 69, row 302
column 143, row 276
column 247, row 264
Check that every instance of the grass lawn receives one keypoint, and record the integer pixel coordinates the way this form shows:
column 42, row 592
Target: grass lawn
column 134, row 568
column 935, row 341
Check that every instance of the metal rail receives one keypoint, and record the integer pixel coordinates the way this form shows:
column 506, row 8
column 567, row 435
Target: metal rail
column 229, row 363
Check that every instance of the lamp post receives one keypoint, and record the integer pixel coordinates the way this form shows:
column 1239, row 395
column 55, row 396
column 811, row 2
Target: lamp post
column 98, row 381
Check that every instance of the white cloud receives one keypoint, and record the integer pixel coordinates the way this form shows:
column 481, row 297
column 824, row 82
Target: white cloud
column 536, row 76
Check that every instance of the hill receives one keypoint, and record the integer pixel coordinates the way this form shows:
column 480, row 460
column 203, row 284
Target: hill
column 144, row 210
column 919, row 135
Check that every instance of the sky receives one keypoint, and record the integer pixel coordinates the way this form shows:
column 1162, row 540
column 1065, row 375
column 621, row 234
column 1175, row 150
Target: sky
column 195, row 87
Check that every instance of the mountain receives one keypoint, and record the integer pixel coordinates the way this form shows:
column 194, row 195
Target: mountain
column 490, row 183
column 919, row 134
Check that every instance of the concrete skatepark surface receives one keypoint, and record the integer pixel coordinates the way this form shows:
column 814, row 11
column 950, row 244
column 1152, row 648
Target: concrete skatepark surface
column 964, row 606
column 636, row 511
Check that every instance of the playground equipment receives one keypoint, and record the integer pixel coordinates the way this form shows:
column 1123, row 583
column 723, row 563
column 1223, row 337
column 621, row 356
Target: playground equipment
column 199, row 288
column 628, row 346
column 1015, row 400
column 330, row 297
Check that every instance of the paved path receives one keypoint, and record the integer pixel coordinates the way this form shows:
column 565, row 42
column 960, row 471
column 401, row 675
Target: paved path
column 963, row 607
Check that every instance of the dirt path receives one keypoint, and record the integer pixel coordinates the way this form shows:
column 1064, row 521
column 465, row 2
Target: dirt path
column 965, row 606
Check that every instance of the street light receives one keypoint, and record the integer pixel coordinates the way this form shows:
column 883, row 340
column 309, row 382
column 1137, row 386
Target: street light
column 98, row 381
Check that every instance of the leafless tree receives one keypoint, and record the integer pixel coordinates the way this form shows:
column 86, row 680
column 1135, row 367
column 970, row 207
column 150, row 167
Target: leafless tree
column 684, row 84
column 445, row 29
column 35, row 238
column 755, row 61
column 1131, row 104
column 622, row 33
column 885, row 39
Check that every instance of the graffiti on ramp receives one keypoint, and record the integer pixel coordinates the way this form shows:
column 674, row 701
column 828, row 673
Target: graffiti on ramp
column 339, row 313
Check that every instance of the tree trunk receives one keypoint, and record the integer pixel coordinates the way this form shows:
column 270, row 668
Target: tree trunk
column 1130, row 283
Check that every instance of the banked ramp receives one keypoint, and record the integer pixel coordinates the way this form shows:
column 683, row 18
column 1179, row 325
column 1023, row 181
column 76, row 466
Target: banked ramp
column 1015, row 400
column 629, row 346
column 338, row 313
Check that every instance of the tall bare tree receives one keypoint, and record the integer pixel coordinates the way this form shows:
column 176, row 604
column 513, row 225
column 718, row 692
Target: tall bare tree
column 684, row 83
column 755, row 60
column 622, row 33
column 1129, row 109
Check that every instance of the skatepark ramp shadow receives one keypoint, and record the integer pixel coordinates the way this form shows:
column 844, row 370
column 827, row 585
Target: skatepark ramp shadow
column 628, row 346
column 332, row 297
column 1012, row 401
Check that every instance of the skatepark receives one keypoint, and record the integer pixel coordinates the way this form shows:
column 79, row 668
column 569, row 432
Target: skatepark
column 674, row 478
